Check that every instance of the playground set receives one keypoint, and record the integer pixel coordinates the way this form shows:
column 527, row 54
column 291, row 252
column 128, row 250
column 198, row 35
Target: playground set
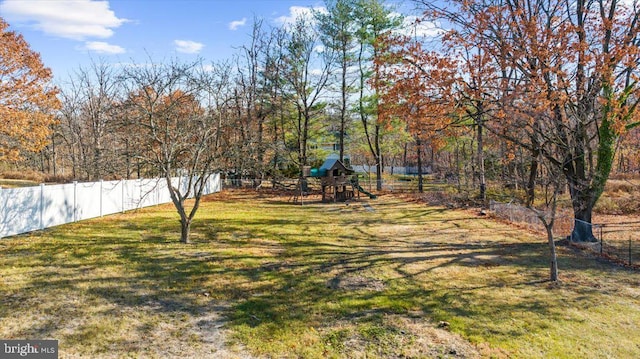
column 338, row 183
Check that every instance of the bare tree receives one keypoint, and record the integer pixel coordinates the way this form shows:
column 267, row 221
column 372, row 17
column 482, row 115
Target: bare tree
column 254, row 102
column 88, row 122
column 169, row 108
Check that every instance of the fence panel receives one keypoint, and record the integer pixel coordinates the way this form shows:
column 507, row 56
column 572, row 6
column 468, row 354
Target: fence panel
column 31, row 208
column 58, row 205
column 20, row 210
column 525, row 217
column 148, row 192
column 621, row 241
column 131, row 195
column 88, row 198
column 163, row 190
column 111, row 197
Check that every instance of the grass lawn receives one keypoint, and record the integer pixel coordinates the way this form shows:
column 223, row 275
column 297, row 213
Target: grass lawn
column 377, row 278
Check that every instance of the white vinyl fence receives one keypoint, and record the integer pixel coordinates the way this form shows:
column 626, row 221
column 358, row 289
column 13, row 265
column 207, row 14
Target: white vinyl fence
column 398, row 170
column 31, row 208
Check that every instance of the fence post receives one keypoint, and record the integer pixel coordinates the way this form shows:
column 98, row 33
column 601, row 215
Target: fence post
column 101, row 195
column 601, row 240
column 122, row 194
column 41, row 205
column 75, row 201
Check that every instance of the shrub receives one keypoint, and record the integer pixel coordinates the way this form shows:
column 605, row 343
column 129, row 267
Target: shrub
column 607, row 205
column 621, row 186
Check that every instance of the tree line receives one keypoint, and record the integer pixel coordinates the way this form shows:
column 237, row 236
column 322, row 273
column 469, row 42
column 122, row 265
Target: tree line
column 282, row 96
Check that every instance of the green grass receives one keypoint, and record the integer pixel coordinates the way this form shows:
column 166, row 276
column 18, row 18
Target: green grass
column 313, row 281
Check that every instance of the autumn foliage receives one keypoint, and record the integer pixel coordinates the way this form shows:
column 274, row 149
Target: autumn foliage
column 558, row 80
column 418, row 89
column 27, row 100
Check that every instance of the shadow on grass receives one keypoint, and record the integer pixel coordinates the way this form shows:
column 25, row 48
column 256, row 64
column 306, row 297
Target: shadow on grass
column 275, row 267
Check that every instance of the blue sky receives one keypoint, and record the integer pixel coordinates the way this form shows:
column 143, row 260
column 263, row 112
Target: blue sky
column 72, row 33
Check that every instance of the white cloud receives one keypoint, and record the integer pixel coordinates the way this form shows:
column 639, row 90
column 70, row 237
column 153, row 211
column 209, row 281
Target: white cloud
column 414, row 26
column 72, row 19
column 296, row 12
column 103, row 48
column 234, row 25
column 208, row 68
column 188, row 47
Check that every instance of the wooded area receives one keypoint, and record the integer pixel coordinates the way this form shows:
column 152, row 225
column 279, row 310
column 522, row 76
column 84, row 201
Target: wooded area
column 529, row 95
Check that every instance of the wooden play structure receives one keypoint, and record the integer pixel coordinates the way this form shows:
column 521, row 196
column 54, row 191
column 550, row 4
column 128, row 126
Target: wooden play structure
column 336, row 181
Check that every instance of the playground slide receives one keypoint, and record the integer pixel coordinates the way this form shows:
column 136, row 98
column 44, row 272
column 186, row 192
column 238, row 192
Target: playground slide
column 371, row 195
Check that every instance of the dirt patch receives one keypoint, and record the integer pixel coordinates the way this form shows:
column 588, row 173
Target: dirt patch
column 356, row 282
column 206, row 333
column 400, row 337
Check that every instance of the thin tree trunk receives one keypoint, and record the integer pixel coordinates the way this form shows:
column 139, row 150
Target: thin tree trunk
column 553, row 267
column 480, row 150
column 548, row 222
column 419, row 153
column 378, row 156
column 343, row 105
column 53, row 154
column 432, row 159
column 404, row 155
column 185, row 229
column 531, row 183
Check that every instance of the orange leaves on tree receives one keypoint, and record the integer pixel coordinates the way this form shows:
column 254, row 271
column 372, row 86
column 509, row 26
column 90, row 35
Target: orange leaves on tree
column 27, row 100
column 418, row 88
column 557, row 59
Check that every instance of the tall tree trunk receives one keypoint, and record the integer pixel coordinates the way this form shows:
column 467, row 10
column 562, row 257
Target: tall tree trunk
column 432, row 159
column 276, row 153
column 260, row 155
column 480, row 154
column 419, row 153
column 53, row 154
column 582, row 227
column 378, row 157
column 74, row 163
column 42, row 162
column 531, row 183
column 127, row 158
column 586, row 188
column 404, row 155
column 582, row 200
column 343, row 105
column 458, row 166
